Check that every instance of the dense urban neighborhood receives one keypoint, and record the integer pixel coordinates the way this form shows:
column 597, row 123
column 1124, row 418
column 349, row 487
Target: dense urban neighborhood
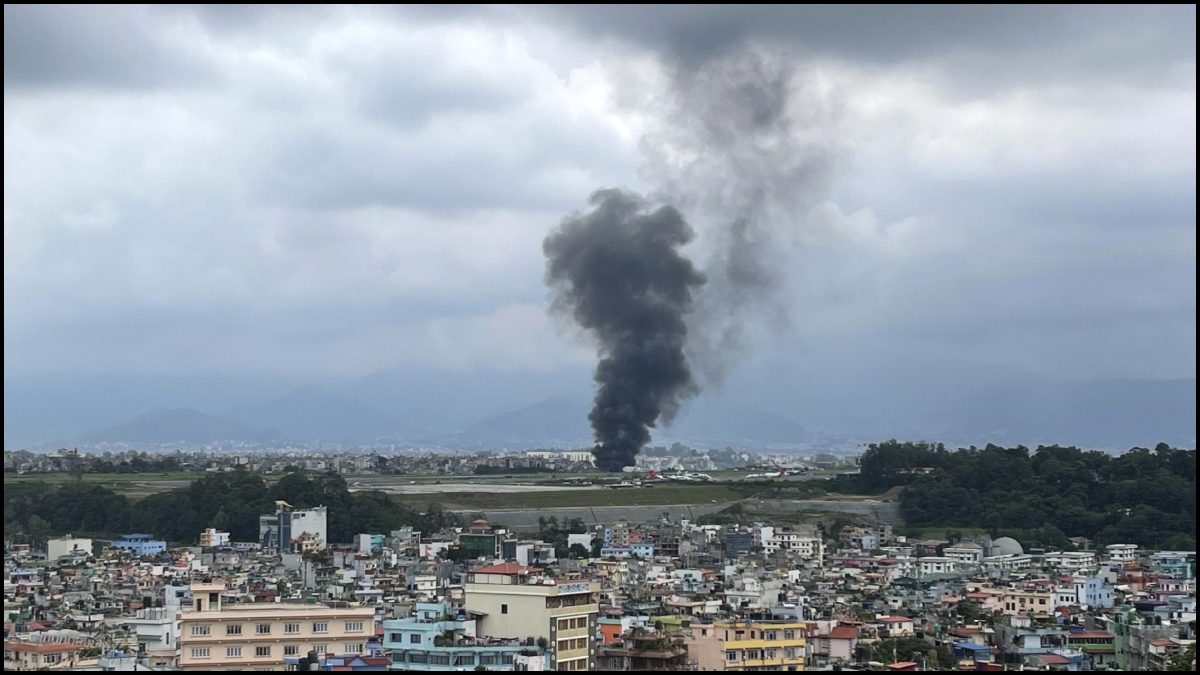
column 320, row 563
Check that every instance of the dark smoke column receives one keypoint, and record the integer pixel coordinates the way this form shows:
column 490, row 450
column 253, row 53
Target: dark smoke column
column 617, row 271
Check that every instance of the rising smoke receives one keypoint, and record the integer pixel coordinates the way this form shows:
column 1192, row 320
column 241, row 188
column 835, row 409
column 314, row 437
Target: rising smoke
column 741, row 151
column 617, row 271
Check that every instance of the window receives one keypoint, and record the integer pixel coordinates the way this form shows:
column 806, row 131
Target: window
column 414, row 638
column 355, row 648
column 291, row 628
column 262, row 651
column 262, row 629
column 53, row 658
column 489, row 659
column 291, row 650
column 789, row 635
column 395, row 637
column 772, row 635
column 506, row 659
column 731, row 656
column 789, row 653
column 439, row 659
column 320, row 627
column 233, row 651
column 201, row 630
column 504, row 609
column 751, row 654
column 464, row 660
column 418, row 657
column 771, row 654
column 321, row 649
column 200, row 653
column 354, row 626
column 233, row 629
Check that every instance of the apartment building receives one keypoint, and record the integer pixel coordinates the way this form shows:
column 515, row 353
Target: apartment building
column 748, row 645
column 288, row 526
column 518, row 601
column 441, row 637
column 806, row 546
column 258, row 636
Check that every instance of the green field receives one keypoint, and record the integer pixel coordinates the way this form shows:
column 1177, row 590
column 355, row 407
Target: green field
column 659, row 495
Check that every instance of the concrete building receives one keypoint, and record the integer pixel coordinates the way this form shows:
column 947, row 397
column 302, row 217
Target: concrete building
column 441, row 637
column 286, row 528
column 57, row 548
column 258, row 636
column 806, row 546
column 967, row 553
column 369, row 543
column 744, row 645
column 518, row 601
column 140, row 544
column 930, row 565
column 51, row 650
column 157, row 631
column 1121, row 553
column 211, row 538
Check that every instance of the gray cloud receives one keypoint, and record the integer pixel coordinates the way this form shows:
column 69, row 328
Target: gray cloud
column 1128, row 40
column 60, row 46
column 341, row 190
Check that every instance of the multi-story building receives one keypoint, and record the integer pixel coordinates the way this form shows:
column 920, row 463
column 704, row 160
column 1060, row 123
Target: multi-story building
column 140, row 544
column 279, row 531
column 806, row 546
column 441, row 637
column 53, row 650
column 966, row 553
column 57, row 548
column 1121, row 553
column 519, row 601
column 211, row 538
column 645, row 651
column 1069, row 561
column 157, row 631
column 748, row 645
column 257, row 636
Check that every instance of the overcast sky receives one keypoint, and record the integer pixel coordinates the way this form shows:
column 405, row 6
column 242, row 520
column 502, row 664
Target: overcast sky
column 346, row 190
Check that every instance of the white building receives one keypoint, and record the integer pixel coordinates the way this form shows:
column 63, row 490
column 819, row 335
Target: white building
column 935, row 564
column 157, row 631
column 1069, row 560
column 1083, row 592
column 57, row 548
column 278, row 531
column 211, row 538
column 965, row 553
column 1121, row 553
column 808, row 548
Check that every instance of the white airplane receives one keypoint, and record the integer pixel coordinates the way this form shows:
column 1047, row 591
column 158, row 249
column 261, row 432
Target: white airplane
column 684, row 476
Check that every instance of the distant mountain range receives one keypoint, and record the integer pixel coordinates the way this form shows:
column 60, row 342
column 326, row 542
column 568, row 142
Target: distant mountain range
column 315, row 414
column 1115, row 414
column 179, row 425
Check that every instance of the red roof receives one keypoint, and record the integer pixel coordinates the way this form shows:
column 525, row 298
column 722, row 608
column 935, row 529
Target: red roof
column 903, row 665
column 376, row 660
column 1160, row 643
column 1054, row 659
column 503, row 568
column 843, row 633
column 894, row 619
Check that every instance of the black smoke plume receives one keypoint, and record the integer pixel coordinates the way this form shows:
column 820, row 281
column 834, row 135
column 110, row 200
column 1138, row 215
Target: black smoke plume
column 617, row 271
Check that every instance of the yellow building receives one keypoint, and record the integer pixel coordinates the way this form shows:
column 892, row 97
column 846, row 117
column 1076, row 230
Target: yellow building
column 259, row 636
column 517, row 601
column 748, row 645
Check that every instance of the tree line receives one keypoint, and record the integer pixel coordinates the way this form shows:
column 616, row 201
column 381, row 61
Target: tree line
column 1145, row 497
column 229, row 501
